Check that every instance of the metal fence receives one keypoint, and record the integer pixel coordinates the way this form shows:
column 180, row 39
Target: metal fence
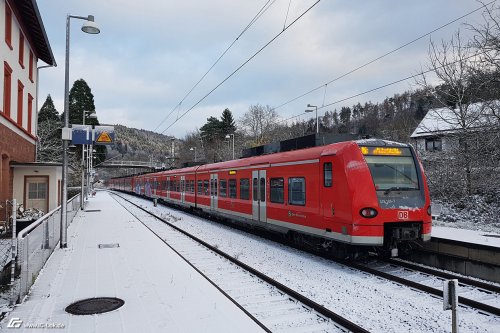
column 35, row 244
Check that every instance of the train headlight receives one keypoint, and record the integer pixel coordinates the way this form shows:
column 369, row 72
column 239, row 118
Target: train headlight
column 368, row 212
column 429, row 211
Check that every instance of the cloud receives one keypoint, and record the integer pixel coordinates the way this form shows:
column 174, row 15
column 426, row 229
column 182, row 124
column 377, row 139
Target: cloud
column 150, row 54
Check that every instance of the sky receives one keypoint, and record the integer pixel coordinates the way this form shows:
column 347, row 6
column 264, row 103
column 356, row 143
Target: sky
column 150, row 54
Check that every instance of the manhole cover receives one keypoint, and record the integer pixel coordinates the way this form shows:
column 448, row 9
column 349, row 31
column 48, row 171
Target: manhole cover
column 94, row 305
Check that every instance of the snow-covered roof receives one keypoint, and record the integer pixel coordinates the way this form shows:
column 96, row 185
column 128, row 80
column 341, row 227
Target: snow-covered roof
column 446, row 120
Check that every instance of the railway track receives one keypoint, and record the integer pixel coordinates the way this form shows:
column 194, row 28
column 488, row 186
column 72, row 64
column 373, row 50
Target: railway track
column 274, row 306
column 479, row 295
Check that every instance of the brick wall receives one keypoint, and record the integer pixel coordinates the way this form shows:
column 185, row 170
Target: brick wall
column 12, row 148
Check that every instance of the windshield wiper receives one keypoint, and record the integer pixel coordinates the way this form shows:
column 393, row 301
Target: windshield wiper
column 390, row 189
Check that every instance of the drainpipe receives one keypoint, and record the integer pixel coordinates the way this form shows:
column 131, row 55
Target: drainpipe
column 36, row 106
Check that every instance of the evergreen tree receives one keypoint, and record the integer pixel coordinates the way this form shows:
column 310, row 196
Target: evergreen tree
column 228, row 125
column 48, row 111
column 80, row 99
column 212, row 129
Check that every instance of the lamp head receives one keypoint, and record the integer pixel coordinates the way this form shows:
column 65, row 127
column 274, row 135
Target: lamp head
column 90, row 26
column 309, row 110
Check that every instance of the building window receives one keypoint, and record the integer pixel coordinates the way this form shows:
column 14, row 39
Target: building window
column 433, row 144
column 7, row 75
column 37, row 191
column 8, row 26
column 327, row 174
column 31, row 65
column 244, row 188
column 277, row 190
column 223, row 188
column 232, row 188
column 20, row 93
column 297, row 191
column 30, row 112
column 21, row 49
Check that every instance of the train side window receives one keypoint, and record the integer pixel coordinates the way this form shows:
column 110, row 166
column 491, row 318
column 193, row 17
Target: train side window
column 205, row 187
column 255, row 189
column 277, row 190
column 297, row 191
column 262, row 189
column 200, row 187
column 327, row 174
column 244, row 188
column 232, row 188
column 223, row 188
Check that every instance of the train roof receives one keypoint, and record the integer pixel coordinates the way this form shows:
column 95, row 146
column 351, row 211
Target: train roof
column 284, row 157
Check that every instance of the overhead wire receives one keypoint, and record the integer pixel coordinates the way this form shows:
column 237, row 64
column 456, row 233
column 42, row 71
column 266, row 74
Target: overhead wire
column 387, row 85
column 383, row 56
column 242, row 65
column 262, row 10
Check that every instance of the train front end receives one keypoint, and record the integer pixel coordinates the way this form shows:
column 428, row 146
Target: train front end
column 401, row 212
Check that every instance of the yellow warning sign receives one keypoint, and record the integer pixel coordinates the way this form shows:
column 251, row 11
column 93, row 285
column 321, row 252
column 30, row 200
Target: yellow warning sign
column 104, row 137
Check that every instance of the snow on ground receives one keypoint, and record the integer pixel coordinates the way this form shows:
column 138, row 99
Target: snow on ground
column 162, row 293
column 376, row 304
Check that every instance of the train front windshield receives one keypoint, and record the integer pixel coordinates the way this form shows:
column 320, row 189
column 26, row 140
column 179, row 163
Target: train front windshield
column 393, row 173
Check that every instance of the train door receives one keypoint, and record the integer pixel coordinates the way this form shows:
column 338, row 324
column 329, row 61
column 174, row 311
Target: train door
column 259, row 195
column 213, row 191
column 183, row 188
column 168, row 187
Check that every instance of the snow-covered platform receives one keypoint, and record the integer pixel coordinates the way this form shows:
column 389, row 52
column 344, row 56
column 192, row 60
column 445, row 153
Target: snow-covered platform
column 467, row 236
column 162, row 293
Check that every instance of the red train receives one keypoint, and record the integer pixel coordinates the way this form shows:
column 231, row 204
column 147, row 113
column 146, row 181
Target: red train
column 345, row 197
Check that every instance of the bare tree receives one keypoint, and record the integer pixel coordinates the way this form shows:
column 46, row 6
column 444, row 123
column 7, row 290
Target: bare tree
column 455, row 64
column 259, row 122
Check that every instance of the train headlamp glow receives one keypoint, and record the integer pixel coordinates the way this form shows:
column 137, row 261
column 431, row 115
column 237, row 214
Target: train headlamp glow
column 385, row 151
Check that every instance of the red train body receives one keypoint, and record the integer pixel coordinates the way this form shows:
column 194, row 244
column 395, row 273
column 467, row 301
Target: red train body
column 365, row 194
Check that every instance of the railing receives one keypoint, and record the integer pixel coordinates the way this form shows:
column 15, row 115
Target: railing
column 37, row 242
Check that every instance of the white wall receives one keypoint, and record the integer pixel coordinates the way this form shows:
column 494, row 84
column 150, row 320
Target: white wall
column 53, row 172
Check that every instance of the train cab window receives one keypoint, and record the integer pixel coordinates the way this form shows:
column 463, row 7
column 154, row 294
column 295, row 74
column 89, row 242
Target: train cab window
column 297, row 191
column 277, row 190
column 223, row 188
column 244, row 188
column 327, row 174
column 232, row 188
column 200, row 187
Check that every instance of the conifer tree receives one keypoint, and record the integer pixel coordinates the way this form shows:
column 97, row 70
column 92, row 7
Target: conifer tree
column 48, row 111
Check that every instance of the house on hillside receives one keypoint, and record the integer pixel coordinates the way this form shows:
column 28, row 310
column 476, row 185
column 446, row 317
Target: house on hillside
column 23, row 43
column 444, row 129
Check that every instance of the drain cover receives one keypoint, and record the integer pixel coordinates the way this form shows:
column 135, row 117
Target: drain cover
column 94, row 305
column 108, row 246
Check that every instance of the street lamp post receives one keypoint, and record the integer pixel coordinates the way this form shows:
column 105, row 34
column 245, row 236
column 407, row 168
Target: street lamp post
column 229, row 136
column 191, row 149
column 310, row 110
column 91, row 28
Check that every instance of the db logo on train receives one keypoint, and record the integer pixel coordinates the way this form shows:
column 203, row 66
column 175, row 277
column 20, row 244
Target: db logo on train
column 403, row 215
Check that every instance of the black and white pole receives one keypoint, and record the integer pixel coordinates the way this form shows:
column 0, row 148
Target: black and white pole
column 450, row 301
column 13, row 249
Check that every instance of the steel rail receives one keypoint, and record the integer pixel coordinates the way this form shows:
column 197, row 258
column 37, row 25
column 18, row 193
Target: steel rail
column 345, row 323
column 412, row 284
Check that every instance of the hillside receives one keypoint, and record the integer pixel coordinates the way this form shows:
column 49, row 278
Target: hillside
column 139, row 145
